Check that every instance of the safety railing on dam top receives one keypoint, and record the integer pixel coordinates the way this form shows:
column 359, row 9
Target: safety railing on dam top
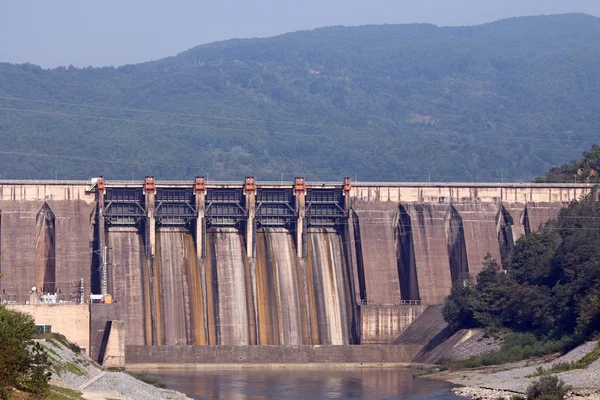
column 364, row 302
column 310, row 183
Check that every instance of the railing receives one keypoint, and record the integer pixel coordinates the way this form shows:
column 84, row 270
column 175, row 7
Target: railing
column 411, row 303
column 364, row 302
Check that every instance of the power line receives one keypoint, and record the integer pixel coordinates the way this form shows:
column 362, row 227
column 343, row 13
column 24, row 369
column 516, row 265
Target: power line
column 240, row 169
column 139, row 121
column 350, row 128
column 179, row 113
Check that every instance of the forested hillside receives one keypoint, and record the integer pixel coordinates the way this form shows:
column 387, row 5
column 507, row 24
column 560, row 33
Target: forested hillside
column 547, row 289
column 504, row 100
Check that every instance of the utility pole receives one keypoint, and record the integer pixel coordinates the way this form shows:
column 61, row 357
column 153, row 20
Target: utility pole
column 103, row 272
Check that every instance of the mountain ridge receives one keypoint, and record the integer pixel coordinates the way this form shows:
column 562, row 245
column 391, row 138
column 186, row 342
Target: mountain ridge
column 388, row 102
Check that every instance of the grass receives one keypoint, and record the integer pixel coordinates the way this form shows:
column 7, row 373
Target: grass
column 562, row 367
column 60, row 393
column 53, row 338
column 150, row 379
column 55, row 393
column 51, row 350
column 74, row 369
column 424, row 372
column 517, row 347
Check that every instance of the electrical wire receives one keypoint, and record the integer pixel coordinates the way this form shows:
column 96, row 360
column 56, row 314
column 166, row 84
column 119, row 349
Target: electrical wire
column 321, row 126
column 349, row 129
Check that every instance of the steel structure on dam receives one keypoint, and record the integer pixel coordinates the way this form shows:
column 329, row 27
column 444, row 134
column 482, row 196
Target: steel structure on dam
column 242, row 263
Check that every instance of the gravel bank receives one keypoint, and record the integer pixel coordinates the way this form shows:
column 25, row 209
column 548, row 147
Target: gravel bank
column 477, row 393
column 132, row 388
column 513, row 377
column 476, row 345
column 77, row 371
column 68, row 368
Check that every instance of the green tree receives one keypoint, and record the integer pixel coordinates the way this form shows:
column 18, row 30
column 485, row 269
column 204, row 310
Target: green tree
column 530, row 261
column 458, row 307
column 38, row 376
column 23, row 363
column 552, row 286
column 548, row 388
column 586, row 169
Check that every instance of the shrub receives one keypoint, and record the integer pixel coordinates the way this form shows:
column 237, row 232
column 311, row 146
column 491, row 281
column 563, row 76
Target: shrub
column 150, row 379
column 547, row 388
column 23, row 363
column 519, row 346
column 39, row 376
column 564, row 366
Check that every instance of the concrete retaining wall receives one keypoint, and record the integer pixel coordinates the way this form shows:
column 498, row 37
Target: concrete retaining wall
column 381, row 324
column 468, row 192
column 100, row 314
column 269, row 354
column 71, row 320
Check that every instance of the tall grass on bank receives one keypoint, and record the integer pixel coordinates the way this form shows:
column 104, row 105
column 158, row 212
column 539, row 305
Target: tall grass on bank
column 150, row 379
column 565, row 366
column 520, row 346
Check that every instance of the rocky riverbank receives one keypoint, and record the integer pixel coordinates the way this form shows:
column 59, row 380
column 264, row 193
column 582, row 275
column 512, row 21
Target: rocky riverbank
column 78, row 372
column 504, row 381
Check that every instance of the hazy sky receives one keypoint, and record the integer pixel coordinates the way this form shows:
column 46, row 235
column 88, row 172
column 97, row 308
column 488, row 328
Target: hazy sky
column 116, row 32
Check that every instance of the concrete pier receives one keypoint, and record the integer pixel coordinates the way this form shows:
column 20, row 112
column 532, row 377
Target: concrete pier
column 200, row 196
column 300, row 195
column 250, row 201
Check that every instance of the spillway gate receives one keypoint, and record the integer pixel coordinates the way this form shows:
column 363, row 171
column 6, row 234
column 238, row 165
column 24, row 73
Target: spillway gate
column 199, row 206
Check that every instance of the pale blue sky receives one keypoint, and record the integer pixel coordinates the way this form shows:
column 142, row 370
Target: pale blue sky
column 116, row 32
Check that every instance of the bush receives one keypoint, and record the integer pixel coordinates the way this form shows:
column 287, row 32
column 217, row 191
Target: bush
column 520, row 346
column 23, row 363
column 549, row 286
column 39, row 376
column 150, row 379
column 547, row 388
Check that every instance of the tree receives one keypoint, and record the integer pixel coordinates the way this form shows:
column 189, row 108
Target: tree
column 586, row 169
column 547, row 387
column 552, row 286
column 23, row 363
column 458, row 307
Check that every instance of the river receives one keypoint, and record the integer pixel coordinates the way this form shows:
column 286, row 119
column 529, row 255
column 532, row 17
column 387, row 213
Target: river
column 255, row 384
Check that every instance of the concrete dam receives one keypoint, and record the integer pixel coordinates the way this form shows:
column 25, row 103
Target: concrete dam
column 258, row 263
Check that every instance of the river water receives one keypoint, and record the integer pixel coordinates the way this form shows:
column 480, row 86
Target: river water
column 255, row 384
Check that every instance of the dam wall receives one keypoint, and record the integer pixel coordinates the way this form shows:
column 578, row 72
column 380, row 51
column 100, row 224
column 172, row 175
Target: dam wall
column 71, row 320
column 147, row 357
column 45, row 238
column 381, row 324
column 245, row 264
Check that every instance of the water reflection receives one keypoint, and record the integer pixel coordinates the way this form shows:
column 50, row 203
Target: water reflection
column 256, row 384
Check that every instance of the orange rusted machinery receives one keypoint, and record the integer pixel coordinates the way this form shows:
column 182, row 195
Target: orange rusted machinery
column 149, row 186
column 347, row 186
column 250, row 186
column 199, row 187
column 101, row 185
column 300, row 185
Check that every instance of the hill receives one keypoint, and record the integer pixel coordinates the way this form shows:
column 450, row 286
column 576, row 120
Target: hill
column 393, row 102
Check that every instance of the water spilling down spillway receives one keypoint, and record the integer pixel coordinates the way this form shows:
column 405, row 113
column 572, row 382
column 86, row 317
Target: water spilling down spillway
column 274, row 298
column 401, row 254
